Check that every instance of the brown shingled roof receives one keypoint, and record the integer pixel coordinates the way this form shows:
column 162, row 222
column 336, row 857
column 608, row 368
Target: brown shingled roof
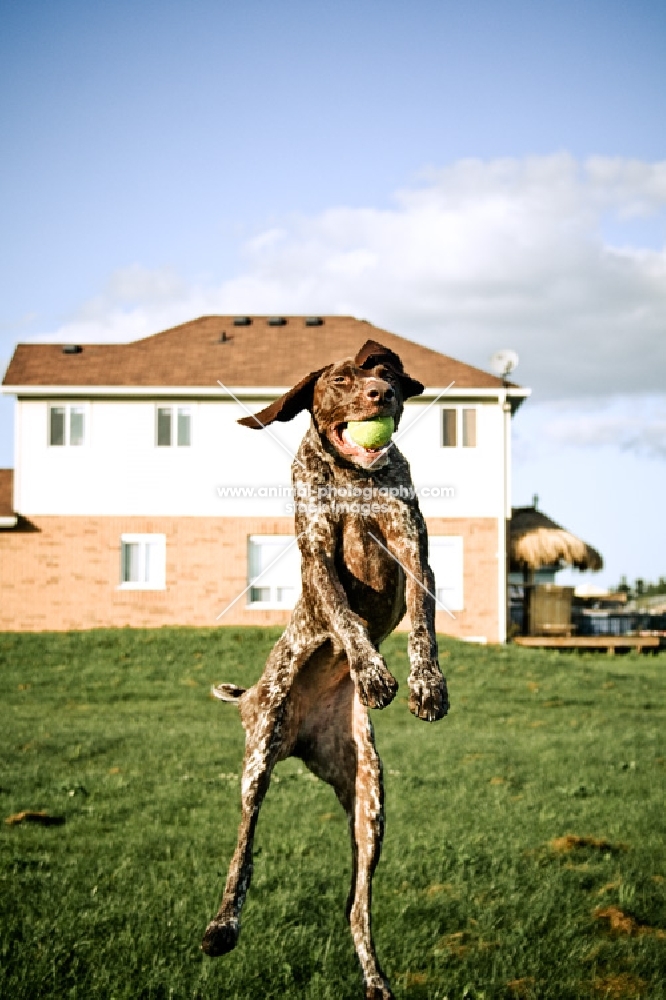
column 257, row 355
column 6, row 492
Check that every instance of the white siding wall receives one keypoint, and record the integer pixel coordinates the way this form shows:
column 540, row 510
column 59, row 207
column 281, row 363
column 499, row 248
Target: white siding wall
column 121, row 471
column 476, row 474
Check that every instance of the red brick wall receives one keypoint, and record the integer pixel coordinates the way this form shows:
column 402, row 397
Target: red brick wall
column 65, row 574
column 480, row 577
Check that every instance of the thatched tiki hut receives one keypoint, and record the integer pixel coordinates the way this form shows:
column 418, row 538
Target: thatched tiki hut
column 536, row 542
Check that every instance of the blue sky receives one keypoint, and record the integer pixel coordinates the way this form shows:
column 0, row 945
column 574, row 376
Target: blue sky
column 472, row 175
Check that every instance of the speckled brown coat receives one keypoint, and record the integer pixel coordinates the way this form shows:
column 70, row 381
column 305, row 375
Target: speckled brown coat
column 364, row 548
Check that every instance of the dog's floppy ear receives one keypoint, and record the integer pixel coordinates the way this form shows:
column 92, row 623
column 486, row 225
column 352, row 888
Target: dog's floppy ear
column 372, row 354
column 287, row 406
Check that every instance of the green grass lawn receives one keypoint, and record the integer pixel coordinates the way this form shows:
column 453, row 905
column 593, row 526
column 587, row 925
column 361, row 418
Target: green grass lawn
column 115, row 731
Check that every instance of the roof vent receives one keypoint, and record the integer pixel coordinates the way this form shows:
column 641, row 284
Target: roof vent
column 277, row 321
column 242, row 321
column 72, row 349
column 314, row 321
column 224, row 338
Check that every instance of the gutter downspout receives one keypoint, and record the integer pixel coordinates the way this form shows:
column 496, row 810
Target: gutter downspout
column 503, row 524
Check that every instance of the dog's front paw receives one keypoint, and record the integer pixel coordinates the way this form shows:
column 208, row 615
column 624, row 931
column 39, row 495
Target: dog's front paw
column 376, row 685
column 429, row 697
column 220, row 937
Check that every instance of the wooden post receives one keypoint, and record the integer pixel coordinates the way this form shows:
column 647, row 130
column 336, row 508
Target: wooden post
column 528, row 579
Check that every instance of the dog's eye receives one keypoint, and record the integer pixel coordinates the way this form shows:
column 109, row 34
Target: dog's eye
column 339, row 380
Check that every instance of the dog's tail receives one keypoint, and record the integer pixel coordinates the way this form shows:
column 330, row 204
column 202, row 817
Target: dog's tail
column 227, row 692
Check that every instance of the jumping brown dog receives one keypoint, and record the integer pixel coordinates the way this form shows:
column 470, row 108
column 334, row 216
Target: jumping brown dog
column 363, row 566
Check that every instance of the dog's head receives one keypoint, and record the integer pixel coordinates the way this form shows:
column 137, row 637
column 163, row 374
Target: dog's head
column 373, row 384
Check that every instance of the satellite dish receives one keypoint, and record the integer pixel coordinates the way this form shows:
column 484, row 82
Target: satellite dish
column 503, row 362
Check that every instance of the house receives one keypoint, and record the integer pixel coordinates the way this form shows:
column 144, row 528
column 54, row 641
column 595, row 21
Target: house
column 138, row 500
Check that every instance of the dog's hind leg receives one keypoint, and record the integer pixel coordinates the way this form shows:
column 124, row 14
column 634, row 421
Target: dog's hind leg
column 262, row 750
column 338, row 746
column 367, row 831
column 267, row 715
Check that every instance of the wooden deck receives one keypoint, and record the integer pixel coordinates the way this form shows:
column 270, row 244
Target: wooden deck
column 611, row 643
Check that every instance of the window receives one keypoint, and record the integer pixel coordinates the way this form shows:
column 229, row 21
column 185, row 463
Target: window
column 458, row 427
column 170, row 419
column 449, row 422
column 67, row 425
column 184, row 423
column 77, row 425
column 164, row 426
column 469, row 428
column 446, row 562
column 274, row 563
column 143, row 562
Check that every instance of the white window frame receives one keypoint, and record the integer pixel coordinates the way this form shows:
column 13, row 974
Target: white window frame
column 175, row 411
column 68, row 407
column 449, row 591
column 459, row 409
column 157, row 543
column 268, row 579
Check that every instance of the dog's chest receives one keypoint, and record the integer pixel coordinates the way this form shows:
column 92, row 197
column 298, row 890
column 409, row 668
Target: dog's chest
column 362, row 556
column 367, row 529
column 372, row 578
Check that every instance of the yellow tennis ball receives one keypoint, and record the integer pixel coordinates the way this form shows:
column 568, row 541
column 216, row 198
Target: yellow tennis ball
column 371, row 433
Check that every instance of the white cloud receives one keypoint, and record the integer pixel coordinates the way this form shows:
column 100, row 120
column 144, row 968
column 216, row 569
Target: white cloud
column 141, row 284
column 269, row 238
column 136, row 302
column 631, row 424
column 478, row 255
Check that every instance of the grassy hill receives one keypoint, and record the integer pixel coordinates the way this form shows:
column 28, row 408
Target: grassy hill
column 524, row 853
